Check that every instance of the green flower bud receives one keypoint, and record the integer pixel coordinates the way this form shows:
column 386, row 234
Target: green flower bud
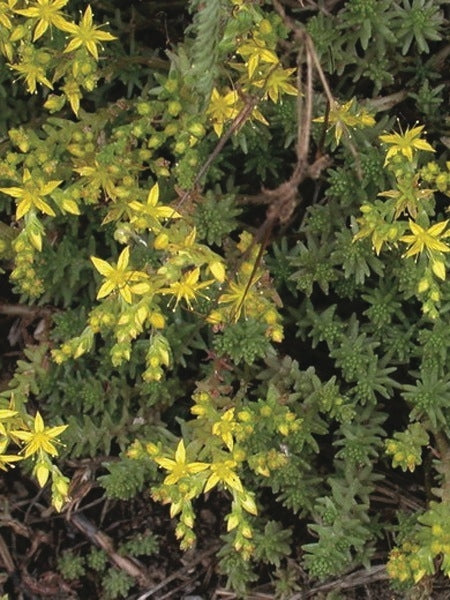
column 144, row 109
column 171, row 85
column 174, row 108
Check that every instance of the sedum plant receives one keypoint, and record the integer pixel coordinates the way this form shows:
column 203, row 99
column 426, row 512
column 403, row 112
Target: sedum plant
column 170, row 337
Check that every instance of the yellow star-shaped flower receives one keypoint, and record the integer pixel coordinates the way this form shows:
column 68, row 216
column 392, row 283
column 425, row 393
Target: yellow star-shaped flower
column 179, row 467
column 405, row 143
column 120, row 277
column 48, row 13
column 31, row 195
column 86, row 34
column 41, row 438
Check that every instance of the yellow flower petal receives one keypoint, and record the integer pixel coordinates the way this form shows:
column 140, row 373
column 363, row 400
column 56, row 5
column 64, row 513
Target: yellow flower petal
column 102, row 266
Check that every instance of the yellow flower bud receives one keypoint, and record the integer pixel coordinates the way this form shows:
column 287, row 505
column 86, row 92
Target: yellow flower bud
column 239, row 455
column 270, row 317
column 436, row 529
column 233, row 522
column 265, row 411
column 42, row 472
column 61, row 484
column 188, row 520
column 283, row 429
column 245, row 416
column 171, row 85
column 54, row 103
column 247, row 531
column 197, row 129
column 152, row 449
column 435, row 295
column 124, row 319
column 265, row 27
column 157, row 320
column 66, row 349
column 171, row 129
column 94, row 322
column 107, row 320
column 180, row 147
column 277, row 334
column 154, row 361
column 248, row 504
column 161, row 241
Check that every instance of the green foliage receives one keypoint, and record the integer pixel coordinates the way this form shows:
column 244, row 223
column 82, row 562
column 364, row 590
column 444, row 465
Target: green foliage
column 286, row 581
column 243, row 341
column 215, row 217
column 406, row 446
column 272, row 544
column 116, row 584
column 145, row 544
column 238, row 571
column 419, row 548
column 208, row 27
column 126, row 478
column 391, row 28
column 187, row 357
column 96, row 559
column 71, row 566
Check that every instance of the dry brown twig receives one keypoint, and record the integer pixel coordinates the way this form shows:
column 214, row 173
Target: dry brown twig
column 131, row 566
column 284, row 199
column 348, row 582
column 200, row 556
column 304, row 38
column 240, row 119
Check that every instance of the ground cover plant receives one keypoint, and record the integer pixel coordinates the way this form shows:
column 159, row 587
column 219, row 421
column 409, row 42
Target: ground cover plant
column 225, row 303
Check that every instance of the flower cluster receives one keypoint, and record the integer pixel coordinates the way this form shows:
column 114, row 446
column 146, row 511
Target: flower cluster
column 261, row 75
column 37, row 443
column 382, row 219
column 416, row 557
column 225, row 439
column 187, row 480
column 406, row 447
